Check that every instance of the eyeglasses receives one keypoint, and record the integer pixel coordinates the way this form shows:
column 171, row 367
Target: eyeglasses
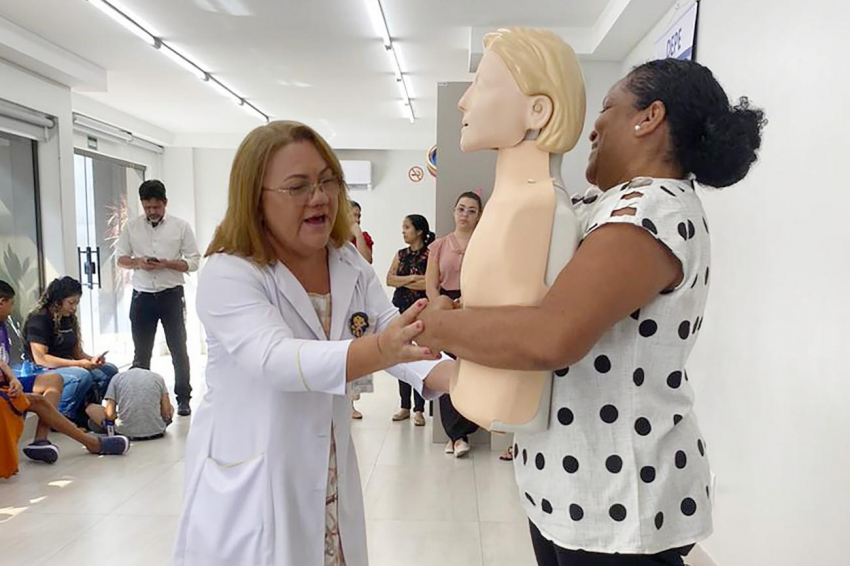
column 468, row 211
column 304, row 191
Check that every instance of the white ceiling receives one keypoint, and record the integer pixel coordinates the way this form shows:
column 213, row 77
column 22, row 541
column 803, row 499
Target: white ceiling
column 318, row 61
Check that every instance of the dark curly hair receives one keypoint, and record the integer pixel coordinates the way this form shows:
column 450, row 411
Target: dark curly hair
column 711, row 139
column 50, row 301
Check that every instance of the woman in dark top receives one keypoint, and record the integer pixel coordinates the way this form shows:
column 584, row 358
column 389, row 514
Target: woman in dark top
column 52, row 336
column 407, row 275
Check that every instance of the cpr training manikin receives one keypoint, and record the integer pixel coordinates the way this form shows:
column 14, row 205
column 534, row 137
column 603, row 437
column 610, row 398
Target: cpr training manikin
column 527, row 102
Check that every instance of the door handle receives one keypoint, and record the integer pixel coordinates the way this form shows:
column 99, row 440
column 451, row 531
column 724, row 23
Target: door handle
column 97, row 268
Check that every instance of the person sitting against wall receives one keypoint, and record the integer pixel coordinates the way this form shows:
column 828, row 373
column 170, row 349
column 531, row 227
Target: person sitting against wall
column 15, row 403
column 53, row 341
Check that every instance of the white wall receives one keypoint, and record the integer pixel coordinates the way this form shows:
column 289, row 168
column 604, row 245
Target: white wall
column 770, row 367
column 384, row 207
column 392, row 198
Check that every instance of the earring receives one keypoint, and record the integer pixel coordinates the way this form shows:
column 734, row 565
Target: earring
column 637, row 127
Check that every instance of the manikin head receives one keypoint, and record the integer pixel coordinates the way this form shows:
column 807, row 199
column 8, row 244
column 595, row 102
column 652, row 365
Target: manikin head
column 529, row 80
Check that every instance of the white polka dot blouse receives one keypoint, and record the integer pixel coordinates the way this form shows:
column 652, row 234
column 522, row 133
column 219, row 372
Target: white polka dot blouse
column 623, row 467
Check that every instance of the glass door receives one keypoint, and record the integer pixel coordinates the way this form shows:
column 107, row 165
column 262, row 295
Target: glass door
column 21, row 262
column 104, row 199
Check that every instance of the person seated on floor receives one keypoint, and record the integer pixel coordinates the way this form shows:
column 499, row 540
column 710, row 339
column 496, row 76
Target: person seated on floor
column 53, row 341
column 137, row 402
column 47, row 385
column 14, row 404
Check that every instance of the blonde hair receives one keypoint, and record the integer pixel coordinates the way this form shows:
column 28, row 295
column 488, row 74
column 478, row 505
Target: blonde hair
column 242, row 232
column 543, row 64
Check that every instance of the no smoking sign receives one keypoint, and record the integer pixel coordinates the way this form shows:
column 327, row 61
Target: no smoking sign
column 416, row 174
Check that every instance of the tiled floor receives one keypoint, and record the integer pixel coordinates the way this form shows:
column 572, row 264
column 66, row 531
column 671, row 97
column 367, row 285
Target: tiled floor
column 423, row 507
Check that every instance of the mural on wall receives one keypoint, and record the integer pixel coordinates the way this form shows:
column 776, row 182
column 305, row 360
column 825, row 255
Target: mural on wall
column 432, row 161
column 22, row 275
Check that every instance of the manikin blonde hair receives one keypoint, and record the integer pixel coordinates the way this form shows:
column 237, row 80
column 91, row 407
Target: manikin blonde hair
column 543, row 64
column 242, row 231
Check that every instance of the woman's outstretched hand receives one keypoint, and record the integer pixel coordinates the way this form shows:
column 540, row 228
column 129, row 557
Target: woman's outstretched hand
column 396, row 342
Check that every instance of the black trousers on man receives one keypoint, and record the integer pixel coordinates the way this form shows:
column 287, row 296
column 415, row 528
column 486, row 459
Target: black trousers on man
column 146, row 311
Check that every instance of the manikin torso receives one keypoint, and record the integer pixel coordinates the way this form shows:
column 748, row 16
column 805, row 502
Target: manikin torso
column 527, row 235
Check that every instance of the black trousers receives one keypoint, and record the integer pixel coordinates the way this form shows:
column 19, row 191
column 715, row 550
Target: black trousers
column 549, row 554
column 146, row 311
column 457, row 426
column 404, row 390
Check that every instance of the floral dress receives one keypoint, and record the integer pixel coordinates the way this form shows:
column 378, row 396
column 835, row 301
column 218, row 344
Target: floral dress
column 410, row 262
column 333, row 542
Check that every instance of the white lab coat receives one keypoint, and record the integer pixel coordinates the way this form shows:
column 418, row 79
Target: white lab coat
column 257, row 453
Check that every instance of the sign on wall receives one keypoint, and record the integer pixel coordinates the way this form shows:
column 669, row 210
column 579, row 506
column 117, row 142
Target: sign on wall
column 679, row 40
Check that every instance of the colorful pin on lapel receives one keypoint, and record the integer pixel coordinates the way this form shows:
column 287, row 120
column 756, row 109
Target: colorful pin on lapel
column 358, row 324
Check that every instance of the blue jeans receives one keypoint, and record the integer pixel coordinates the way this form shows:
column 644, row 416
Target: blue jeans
column 78, row 382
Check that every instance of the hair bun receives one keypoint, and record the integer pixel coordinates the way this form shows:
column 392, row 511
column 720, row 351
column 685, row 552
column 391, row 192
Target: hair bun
column 728, row 146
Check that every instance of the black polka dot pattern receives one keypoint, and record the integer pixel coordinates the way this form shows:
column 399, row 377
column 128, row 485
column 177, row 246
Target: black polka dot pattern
column 649, row 225
column 524, row 456
column 674, row 380
column 647, row 474
column 648, row 328
column 516, row 449
column 609, row 414
column 614, row 464
column 638, row 377
column 540, row 461
column 633, row 436
column 617, row 512
column 643, row 426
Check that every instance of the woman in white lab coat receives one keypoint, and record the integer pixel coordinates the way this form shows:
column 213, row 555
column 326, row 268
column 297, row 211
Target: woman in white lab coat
column 292, row 313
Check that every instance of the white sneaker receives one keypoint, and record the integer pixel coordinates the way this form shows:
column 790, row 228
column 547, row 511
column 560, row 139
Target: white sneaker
column 461, row 448
column 450, row 447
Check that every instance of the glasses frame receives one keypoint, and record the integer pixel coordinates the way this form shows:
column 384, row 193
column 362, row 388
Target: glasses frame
column 298, row 192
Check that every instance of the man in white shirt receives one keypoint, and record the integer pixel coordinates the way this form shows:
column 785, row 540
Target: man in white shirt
column 159, row 249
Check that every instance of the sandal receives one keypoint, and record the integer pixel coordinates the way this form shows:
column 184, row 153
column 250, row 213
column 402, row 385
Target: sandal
column 507, row 455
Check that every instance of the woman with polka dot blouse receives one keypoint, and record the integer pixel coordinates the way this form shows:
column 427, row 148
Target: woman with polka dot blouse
column 621, row 475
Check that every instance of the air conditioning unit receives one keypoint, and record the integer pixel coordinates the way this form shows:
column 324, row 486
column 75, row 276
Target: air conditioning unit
column 358, row 174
